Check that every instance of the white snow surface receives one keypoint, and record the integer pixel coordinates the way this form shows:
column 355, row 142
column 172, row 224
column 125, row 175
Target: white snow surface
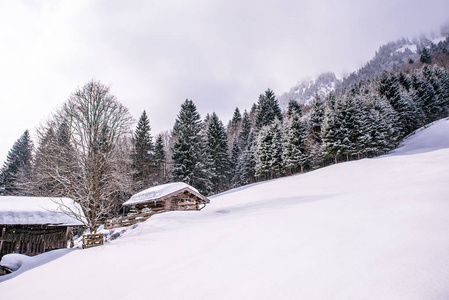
column 410, row 47
column 429, row 138
column 36, row 211
column 157, row 192
column 368, row 229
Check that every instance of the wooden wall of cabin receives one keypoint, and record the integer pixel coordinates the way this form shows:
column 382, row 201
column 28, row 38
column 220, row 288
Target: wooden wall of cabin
column 182, row 201
column 185, row 201
column 156, row 206
column 31, row 240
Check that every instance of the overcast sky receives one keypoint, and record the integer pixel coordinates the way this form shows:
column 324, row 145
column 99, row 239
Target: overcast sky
column 155, row 54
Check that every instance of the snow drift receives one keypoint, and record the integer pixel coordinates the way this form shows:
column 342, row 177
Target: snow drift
column 368, row 229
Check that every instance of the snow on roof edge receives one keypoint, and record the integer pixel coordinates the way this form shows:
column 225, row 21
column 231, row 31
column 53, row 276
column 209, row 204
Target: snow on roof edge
column 21, row 210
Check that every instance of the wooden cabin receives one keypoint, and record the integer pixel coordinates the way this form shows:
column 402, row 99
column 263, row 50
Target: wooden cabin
column 34, row 225
column 166, row 197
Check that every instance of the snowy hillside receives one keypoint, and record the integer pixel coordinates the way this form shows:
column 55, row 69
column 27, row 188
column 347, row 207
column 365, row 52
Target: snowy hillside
column 368, row 229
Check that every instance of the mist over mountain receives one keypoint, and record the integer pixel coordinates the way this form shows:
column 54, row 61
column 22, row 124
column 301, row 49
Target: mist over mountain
column 401, row 55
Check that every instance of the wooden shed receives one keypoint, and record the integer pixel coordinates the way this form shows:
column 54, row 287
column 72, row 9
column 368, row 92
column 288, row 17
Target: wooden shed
column 166, row 197
column 34, row 225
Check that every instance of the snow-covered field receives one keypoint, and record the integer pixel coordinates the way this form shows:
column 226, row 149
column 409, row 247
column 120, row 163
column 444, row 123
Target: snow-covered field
column 368, row 229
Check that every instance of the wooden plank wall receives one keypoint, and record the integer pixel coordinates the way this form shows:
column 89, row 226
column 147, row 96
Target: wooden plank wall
column 31, row 240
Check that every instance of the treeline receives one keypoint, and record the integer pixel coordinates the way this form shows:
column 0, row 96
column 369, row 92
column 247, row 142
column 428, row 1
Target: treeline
column 368, row 120
column 88, row 151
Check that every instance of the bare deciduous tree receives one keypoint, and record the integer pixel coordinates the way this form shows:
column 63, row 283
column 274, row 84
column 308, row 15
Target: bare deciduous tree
column 88, row 158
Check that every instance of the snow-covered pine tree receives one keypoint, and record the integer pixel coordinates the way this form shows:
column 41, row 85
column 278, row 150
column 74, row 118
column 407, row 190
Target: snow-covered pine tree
column 268, row 152
column 242, row 154
column 267, row 110
column 293, row 108
column 189, row 157
column 316, row 118
column 276, row 163
column 410, row 116
column 385, row 135
column 142, row 154
column 16, row 171
column 233, row 128
column 365, row 123
column 405, row 81
column 160, row 161
column 246, row 165
column 217, row 152
column 334, row 130
column 426, row 57
column 263, row 153
column 294, row 140
column 353, row 125
column 236, row 152
column 424, row 96
column 443, row 77
column 245, row 131
column 439, row 106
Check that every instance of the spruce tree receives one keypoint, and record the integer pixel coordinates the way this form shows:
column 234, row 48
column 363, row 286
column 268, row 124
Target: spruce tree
column 294, row 143
column 334, row 129
column 268, row 151
column 217, row 152
column 160, row 160
column 395, row 89
column 439, row 107
column 263, row 153
column 246, row 166
column 294, row 108
column 236, row 152
column 245, row 131
column 405, row 81
column 277, row 149
column 426, row 57
column 316, row 119
column 424, row 96
column 385, row 135
column 189, row 158
column 267, row 110
column 16, row 171
column 233, row 128
column 236, row 117
column 142, row 154
column 443, row 77
column 242, row 154
column 357, row 123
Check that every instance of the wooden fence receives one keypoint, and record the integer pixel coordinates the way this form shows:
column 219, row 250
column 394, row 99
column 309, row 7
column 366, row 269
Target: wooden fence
column 128, row 220
column 92, row 240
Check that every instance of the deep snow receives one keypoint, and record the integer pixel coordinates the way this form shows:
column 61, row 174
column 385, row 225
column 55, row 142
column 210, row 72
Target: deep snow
column 37, row 210
column 368, row 229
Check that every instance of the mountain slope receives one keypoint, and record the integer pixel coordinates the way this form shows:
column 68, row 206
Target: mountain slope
column 389, row 57
column 304, row 92
column 368, row 229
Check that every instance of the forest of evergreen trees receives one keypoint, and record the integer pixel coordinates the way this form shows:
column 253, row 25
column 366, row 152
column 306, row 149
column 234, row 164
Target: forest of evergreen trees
column 111, row 162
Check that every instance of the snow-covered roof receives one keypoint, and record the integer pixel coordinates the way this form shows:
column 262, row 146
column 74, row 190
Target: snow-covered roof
column 160, row 192
column 17, row 210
